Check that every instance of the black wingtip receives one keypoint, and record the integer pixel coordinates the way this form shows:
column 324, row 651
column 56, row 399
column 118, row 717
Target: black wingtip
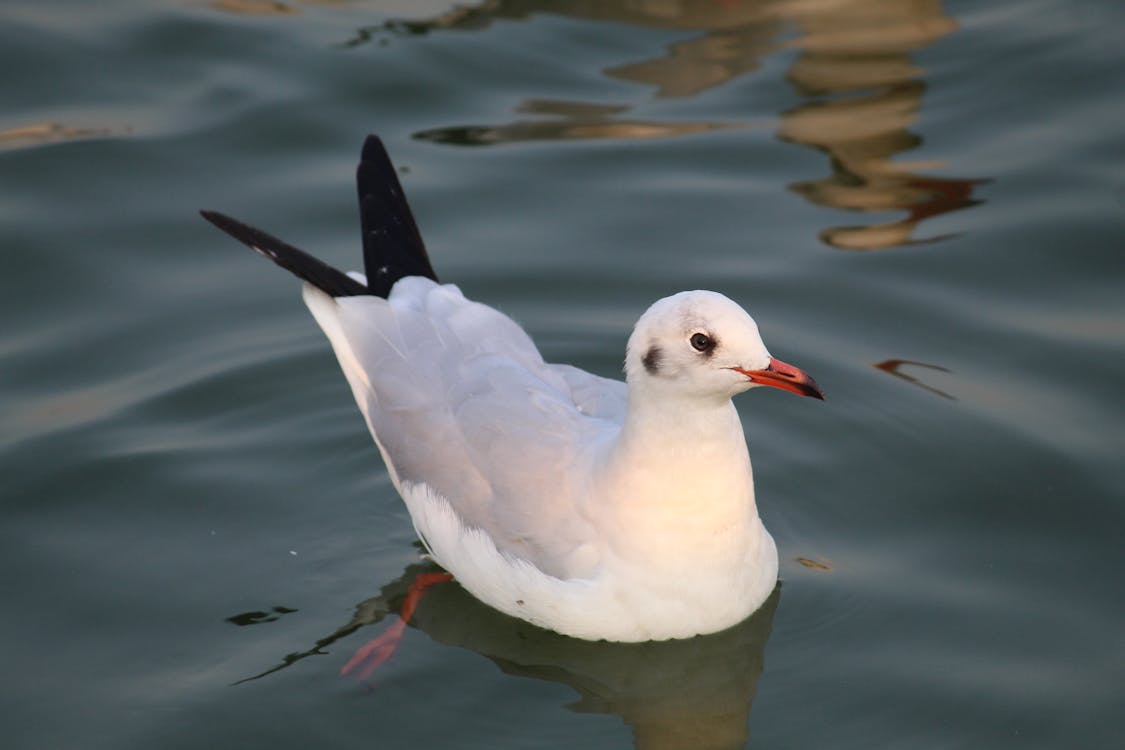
column 392, row 245
column 318, row 273
column 374, row 150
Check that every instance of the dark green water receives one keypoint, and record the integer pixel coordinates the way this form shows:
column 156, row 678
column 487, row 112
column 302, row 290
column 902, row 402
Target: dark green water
column 922, row 203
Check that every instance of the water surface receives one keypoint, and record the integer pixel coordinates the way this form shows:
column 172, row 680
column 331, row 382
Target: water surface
column 920, row 202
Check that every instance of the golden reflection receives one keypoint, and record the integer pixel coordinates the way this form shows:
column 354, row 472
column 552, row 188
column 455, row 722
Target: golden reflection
column 696, row 65
column 733, row 39
column 894, row 367
column 566, row 121
column 267, row 7
column 821, row 564
column 254, row 7
column 50, row 132
column 733, row 36
column 865, row 93
column 691, row 694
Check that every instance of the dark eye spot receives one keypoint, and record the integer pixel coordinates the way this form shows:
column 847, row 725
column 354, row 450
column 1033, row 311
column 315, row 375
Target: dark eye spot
column 701, row 342
column 651, row 360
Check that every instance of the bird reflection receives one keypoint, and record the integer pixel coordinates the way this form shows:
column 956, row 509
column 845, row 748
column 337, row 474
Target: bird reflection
column 693, row 693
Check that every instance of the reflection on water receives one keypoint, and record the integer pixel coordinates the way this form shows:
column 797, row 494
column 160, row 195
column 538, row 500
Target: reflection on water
column 50, row 132
column 733, row 37
column 821, row 564
column 268, row 7
column 894, row 367
column 565, row 121
column 243, row 619
column 694, row 693
column 863, row 89
column 254, row 7
column 864, row 93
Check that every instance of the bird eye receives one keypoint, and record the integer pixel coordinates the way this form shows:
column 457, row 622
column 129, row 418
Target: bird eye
column 701, row 342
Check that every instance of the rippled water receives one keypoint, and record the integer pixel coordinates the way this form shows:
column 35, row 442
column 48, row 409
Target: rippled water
column 921, row 202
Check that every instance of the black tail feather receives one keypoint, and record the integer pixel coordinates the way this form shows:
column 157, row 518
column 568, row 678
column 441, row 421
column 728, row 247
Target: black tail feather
column 392, row 245
column 298, row 262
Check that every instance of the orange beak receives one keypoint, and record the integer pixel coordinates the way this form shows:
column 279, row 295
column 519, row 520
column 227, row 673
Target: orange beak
column 786, row 377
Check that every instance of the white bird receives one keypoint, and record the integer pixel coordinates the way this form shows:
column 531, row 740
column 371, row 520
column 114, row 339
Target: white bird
column 596, row 508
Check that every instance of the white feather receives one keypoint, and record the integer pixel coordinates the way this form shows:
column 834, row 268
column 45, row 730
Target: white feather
column 555, row 495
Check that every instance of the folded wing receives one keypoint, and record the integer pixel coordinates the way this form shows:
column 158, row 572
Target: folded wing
column 458, row 398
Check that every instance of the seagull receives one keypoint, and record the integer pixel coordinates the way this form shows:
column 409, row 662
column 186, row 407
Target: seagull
column 596, row 508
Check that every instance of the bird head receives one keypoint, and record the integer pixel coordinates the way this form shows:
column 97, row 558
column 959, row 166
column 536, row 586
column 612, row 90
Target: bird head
column 703, row 344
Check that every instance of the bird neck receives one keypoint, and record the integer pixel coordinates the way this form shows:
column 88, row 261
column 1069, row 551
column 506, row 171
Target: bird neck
column 684, row 451
column 678, row 489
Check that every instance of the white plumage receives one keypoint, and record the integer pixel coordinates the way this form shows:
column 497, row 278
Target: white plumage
column 592, row 507
column 559, row 496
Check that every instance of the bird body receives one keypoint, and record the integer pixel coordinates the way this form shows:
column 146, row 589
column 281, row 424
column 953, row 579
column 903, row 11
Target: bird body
column 592, row 507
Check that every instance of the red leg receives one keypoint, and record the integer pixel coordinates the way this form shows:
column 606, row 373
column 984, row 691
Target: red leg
column 381, row 648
